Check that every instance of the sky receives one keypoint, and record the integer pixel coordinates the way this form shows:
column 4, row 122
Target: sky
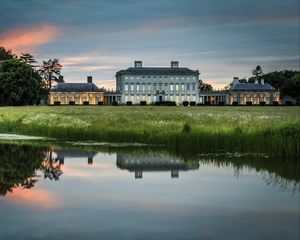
column 221, row 39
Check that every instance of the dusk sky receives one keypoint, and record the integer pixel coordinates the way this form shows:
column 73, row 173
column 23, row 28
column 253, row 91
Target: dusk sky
column 221, row 39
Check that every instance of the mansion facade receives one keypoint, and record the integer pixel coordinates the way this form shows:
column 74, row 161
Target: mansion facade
column 172, row 85
column 240, row 93
column 75, row 93
column 157, row 84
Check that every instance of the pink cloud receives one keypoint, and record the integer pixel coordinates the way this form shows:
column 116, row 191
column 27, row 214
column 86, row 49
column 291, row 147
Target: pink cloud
column 37, row 197
column 29, row 39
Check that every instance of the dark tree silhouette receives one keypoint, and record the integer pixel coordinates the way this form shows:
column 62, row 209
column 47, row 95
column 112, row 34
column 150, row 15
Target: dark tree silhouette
column 6, row 54
column 204, row 87
column 27, row 58
column 50, row 71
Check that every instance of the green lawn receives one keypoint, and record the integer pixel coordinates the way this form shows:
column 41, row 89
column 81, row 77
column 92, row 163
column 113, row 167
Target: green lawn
column 261, row 129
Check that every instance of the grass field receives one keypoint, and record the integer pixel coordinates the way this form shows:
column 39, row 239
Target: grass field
column 275, row 130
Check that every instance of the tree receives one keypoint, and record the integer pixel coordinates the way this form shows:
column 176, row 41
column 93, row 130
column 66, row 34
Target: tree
column 50, row 71
column 204, row 87
column 287, row 81
column 6, row 54
column 19, row 83
column 258, row 72
column 27, row 58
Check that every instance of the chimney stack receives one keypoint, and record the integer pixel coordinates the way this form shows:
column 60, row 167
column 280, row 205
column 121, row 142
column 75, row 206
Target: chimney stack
column 60, row 79
column 235, row 80
column 89, row 79
column 138, row 64
column 174, row 64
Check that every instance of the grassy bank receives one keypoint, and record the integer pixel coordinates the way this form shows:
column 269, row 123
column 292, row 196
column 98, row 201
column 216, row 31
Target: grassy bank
column 275, row 130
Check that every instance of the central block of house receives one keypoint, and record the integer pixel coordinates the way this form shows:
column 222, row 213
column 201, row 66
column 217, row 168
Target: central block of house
column 158, row 84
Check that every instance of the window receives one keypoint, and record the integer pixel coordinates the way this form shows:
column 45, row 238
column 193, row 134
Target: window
column 177, row 87
column 149, row 86
column 143, row 87
column 188, row 87
column 182, row 87
column 131, row 87
column 126, row 87
column 194, row 86
column 138, row 87
column 126, row 77
column 171, row 87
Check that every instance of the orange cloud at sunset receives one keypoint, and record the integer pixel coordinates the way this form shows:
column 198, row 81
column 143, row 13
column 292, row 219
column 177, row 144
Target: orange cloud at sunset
column 34, row 197
column 28, row 39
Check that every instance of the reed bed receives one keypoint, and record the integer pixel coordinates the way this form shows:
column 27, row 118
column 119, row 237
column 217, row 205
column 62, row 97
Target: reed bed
column 273, row 130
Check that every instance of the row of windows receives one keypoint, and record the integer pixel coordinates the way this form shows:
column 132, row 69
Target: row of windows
column 77, row 95
column 255, row 95
column 172, row 87
column 139, row 77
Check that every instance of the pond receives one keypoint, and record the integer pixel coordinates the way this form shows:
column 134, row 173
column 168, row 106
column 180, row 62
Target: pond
column 145, row 193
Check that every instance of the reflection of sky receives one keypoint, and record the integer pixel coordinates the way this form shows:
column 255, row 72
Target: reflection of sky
column 91, row 37
column 100, row 201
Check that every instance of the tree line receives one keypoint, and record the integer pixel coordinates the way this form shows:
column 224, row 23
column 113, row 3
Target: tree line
column 22, row 81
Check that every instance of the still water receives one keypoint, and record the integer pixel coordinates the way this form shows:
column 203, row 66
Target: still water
column 55, row 193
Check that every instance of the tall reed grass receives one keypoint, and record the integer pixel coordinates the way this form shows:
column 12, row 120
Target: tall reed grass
column 275, row 130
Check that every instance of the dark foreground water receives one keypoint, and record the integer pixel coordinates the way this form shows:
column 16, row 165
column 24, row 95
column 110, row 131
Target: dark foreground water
column 50, row 193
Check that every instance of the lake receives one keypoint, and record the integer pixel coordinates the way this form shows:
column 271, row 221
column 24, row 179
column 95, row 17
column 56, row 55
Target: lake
column 145, row 193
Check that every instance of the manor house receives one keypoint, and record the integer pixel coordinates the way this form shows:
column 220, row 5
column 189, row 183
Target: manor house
column 76, row 93
column 157, row 84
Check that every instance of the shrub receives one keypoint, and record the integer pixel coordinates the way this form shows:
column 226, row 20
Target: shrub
column 186, row 128
column 71, row 103
column 275, row 103
column 207, row 103
column 128, row 103
column 101, row 103
column 192, row 103
column 185, row 103
column 57, row 103
column 115, row 103
column 86, row 103
column 143, row 103
column 248, row 103
column 262, row 103
column 235, row 103
column 222, row 103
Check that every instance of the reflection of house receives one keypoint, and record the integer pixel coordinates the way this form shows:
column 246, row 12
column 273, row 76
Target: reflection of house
column 140, row 164
column 62, row 154
column 157, row 84
column 76, row 93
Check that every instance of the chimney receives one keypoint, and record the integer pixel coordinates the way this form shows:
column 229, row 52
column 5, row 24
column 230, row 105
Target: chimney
column 89, row 79
column 60, row 79
column 138, row 64
column 174, row 64
column 235, row 80
column 262, row 81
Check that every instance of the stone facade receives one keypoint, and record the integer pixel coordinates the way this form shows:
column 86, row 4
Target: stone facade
column 157, row 84
column 76, row 93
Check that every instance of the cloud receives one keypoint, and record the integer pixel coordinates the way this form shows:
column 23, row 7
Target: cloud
column 34, row 197
column 94, row 68
column 29, row 39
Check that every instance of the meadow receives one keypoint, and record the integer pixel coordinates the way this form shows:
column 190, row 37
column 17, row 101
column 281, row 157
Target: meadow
column 272, row 130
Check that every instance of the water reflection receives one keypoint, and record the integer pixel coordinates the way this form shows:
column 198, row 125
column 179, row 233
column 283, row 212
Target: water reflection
column 20, row 164
column 154, row 163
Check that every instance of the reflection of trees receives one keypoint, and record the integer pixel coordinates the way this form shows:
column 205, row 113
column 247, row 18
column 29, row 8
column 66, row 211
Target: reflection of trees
column 52, row 167
column 279, row 172
column 18, row 164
